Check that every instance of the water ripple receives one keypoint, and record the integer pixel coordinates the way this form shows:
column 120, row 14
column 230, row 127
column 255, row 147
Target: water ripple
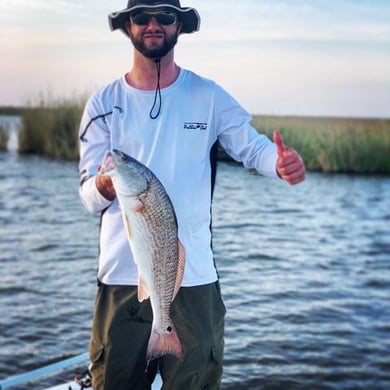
column 304, row 274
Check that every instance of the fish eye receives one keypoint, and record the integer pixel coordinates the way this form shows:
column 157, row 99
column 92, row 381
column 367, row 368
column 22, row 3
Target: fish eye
column 124, row 159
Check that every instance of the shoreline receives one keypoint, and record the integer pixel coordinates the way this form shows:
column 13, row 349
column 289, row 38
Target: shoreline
column 330, row 145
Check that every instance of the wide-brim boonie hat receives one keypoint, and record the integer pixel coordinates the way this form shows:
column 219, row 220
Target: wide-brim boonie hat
column 188, row 16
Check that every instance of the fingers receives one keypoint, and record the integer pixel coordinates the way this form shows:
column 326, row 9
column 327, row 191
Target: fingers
column 105, row 187
column 290, row 165
column 278, row 139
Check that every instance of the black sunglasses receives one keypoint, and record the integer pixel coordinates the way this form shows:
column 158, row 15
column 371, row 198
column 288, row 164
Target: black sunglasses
column 163, row 18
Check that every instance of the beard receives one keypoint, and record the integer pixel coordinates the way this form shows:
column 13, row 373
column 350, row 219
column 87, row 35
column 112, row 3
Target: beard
column 154, row 53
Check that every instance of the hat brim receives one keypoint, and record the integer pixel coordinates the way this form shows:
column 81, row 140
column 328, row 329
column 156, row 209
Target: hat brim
column 188, row 17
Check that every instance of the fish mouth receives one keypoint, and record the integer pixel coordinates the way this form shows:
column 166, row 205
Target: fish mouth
column 108, row 164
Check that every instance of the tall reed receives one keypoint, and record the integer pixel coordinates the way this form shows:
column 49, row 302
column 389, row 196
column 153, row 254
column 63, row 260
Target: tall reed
column 335, row 144
column 348, row 145
column 3, row 138
column 51, row 130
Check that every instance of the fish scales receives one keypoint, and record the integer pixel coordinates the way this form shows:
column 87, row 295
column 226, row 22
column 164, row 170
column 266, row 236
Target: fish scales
column 160, row 222
column 151, row 225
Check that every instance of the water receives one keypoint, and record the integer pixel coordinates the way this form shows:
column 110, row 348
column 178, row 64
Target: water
column 306, row 280
column 305, row 275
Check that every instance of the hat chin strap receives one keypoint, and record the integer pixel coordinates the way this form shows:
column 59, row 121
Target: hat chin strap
column 157, row 96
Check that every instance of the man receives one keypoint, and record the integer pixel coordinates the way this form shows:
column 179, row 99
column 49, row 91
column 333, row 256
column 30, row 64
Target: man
column 170, row 119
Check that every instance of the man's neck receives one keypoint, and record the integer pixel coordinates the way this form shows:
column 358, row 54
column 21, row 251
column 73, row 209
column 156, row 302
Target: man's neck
column 143, row 74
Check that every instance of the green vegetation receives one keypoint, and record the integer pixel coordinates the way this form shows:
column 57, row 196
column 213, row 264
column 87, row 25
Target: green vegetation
column 335, row 144
column 3, row 138
column 8, row 110
column 326, row 144
column 51, row 130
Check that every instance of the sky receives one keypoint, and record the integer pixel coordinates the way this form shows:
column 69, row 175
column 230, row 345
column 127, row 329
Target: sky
column 276, row 57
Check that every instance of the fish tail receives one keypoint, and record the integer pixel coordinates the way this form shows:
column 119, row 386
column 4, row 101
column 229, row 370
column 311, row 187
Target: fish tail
column 164, row 344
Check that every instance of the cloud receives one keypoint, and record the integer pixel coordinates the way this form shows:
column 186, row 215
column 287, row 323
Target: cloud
column 58, row 22
column 298, row 20
column 264, row 52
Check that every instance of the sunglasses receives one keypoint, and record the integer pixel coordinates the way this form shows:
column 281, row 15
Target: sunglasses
column 163, row 18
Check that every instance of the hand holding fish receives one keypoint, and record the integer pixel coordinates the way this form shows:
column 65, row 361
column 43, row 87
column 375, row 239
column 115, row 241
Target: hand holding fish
column 290, row 166
column 105, row 186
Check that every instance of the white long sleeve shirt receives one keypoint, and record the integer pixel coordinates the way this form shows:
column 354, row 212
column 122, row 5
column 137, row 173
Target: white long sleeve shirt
column 177, row 147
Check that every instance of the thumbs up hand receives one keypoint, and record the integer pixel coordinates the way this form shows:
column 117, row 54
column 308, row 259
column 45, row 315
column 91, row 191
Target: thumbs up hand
column 289, row 166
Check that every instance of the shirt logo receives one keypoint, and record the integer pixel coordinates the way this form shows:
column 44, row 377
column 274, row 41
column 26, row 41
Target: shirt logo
column 202, row 126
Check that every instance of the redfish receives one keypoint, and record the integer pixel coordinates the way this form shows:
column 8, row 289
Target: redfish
column 151, row 226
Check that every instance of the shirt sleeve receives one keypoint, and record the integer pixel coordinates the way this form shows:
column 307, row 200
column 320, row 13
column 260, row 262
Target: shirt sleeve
column 239, row 139
column 94, row 142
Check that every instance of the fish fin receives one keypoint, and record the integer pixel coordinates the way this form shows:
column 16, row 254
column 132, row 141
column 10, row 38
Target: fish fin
column 180, row 268
column 127, row 226
column 164, row 344
column 143, row 291
column 139, row 206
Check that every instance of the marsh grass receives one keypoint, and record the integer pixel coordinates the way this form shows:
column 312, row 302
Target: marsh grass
column 51, row 129
column 346, row 145
column 4, row 137
column 335, row 144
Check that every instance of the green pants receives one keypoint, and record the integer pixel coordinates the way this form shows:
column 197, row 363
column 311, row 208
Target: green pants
column 120, row 334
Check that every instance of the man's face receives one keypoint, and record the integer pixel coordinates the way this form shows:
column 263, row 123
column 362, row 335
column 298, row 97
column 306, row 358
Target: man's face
column 154, row 40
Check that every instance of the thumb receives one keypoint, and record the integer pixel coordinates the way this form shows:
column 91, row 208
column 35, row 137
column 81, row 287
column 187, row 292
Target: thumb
column 279, row 142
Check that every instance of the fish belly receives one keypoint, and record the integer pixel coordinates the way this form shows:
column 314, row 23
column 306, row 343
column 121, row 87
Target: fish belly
column 154, row 244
